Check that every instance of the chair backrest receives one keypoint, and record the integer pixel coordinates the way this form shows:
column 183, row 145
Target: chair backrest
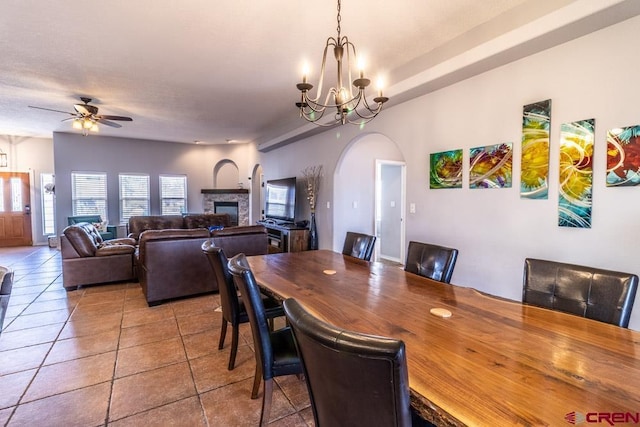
column 353, row 378
column 432, row 261
column 359, row 245
column 246, row 283
column 83, row 218
column 228, row 294
column 603, row 295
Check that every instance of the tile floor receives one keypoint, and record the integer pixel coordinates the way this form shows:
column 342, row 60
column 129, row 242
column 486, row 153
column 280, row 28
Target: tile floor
column 99, row 356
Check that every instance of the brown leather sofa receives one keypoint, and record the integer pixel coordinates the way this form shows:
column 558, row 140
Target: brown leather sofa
column 171, row 263
column 138, row 224
column 87, row 259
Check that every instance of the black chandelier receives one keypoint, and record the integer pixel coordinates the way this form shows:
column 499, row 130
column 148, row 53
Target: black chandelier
column 350, row 107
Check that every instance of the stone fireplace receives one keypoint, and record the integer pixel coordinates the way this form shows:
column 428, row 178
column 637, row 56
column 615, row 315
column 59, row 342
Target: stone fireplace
column 225, row 201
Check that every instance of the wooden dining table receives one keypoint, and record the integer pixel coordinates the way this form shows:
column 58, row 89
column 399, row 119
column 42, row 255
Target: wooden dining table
column 494, row 362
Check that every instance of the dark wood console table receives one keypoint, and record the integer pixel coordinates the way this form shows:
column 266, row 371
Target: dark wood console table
column 284, row 238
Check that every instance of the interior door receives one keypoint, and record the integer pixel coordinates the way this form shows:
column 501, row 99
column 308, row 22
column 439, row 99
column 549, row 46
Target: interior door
column 15, row 209
column 390, row 200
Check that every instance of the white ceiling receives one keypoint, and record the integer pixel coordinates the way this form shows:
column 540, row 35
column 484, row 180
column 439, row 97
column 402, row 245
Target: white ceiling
column 202, row 70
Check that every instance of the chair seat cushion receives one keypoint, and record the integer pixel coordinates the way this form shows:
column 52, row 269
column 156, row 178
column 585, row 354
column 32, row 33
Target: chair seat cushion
column 285, row 355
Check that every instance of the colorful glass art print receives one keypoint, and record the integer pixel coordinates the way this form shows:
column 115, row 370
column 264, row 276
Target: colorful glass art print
column 446, row 169
column 623, row 156
column 534, row 179
column 576, row 173
column 490, row 166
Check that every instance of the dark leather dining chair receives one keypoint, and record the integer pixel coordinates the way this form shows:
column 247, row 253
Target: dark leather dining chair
column 275, row 351
column 353, row 379
column 359, row 245
column 432, row 261
column 597, row 294
column 233, row 307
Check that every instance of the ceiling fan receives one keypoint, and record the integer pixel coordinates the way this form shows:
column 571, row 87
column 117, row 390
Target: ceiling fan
column 87, row 118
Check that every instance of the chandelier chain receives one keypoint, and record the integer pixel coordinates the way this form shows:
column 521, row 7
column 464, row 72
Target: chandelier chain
column 339, row 19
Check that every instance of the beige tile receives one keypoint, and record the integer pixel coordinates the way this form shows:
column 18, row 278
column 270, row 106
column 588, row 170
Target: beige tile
column 49, row 295
column 296, row 391
column 199, row 322
column 24, row 358
column 40, row 319
column 150, row 356
column 232, row 405
column 95, row 325
column 71, row 375
column 43, row 306
column 15, row 309
column 293, row 420
column 135, row 303
column 13, row 385
column 4, row 415
column 85, row 312
column 101, row 294
column 26, row 290
column 81, row 408
column 191, row 306
column 107, row 288
column 210, row 372
column 88, row 345
column 23, row 299
column 307, row 416
column 186, row 412
column 138, row 393
column 149, row 332
column 203, row 343
column 146, row 315
column 27, row 337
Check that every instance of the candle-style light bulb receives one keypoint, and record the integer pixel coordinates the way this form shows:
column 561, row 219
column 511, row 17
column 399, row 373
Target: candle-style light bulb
column 361, row 65
column 380, row 85
column 305, row 71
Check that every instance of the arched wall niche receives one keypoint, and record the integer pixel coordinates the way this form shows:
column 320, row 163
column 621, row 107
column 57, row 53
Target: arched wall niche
column 226, row 174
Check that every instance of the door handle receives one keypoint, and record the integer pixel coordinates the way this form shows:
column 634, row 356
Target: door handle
column 27, row 209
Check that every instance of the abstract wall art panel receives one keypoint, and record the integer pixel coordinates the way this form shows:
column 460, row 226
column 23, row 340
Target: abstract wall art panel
column 623, row 156
column 536, row 119
column 490, row 166
column 576, row 173
column 446, row 169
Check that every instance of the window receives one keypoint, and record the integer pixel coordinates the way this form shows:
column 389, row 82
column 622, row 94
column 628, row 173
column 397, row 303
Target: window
column 89, row 194
column 48, row 213
column 134, row 196
column 173, row 194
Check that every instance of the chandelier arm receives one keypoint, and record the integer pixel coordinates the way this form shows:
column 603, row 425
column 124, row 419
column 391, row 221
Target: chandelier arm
column 347, row 44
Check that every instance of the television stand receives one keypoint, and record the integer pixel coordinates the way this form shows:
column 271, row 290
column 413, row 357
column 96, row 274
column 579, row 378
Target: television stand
column 286, row 237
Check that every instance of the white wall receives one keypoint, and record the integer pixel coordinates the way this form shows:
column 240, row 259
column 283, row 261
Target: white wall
column 74, row 152
column 591, row 77
column 35, row 156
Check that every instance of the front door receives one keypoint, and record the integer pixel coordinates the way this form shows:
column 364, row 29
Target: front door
column 15, row 209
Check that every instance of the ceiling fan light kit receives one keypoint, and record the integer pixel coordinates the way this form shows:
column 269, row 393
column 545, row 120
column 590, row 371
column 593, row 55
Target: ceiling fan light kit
column 350, row 107
column 86, row 117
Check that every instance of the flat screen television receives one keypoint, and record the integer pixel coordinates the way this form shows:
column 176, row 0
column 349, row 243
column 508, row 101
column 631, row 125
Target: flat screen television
column 281, row 200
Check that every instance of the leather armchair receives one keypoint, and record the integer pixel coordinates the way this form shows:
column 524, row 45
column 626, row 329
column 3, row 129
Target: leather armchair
column 359, row 245
column 87, row 259
column 353, row 378
column 6, row 283
column 598, row 294
column 110, row 233
column 432, row 261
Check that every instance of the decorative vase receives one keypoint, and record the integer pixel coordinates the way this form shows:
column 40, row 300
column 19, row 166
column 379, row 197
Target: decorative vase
column 313, row 233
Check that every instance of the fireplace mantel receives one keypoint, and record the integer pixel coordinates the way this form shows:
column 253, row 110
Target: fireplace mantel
column 224, row 191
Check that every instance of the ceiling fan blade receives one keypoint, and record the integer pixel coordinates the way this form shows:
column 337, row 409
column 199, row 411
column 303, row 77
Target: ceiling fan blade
column 126, row 119
column 85, row 110
column 108, row 123
column 50, row 109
